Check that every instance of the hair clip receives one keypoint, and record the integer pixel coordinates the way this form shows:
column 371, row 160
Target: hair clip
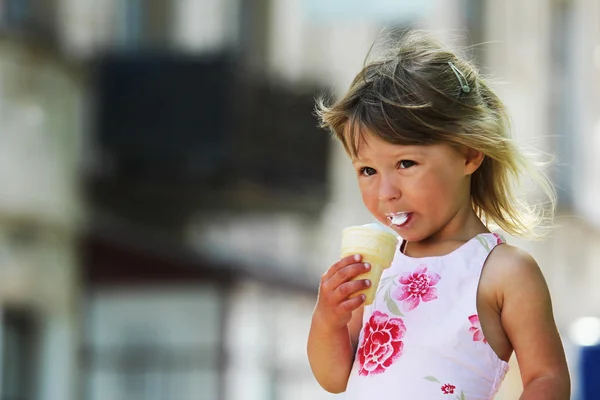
column 463, row 84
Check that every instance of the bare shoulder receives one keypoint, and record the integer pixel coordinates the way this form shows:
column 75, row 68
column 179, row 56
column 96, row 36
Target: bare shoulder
column 511, row 268
column 509, row 259
column 526, row 315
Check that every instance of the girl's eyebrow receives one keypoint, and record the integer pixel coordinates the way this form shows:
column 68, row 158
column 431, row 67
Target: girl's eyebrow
column 412, row 152
column 407, row 153
column 358, row 158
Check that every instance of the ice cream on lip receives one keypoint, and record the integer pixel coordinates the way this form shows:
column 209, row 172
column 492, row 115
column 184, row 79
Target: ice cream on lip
column 398, row 218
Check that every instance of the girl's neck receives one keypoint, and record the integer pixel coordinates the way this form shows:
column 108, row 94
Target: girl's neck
column 457, row 232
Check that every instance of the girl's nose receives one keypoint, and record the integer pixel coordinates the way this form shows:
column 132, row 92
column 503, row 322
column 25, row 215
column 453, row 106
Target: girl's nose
column 388, row 189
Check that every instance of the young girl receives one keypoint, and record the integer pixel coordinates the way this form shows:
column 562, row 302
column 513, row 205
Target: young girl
column 430, row 145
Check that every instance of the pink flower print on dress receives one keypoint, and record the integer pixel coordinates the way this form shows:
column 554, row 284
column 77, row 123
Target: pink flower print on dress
column 448, row 388
column 416, row 286
column 476, row 329
column 381, row 344
column 499, row 239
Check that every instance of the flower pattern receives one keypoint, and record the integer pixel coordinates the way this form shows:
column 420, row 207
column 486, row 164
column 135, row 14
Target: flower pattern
column 499, row 239
column 475, row 329
column 381, row 344
column 384, row 334
column 416, row 286
column 448, row 388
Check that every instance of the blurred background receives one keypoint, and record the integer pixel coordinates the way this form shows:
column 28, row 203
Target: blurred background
column 167, row 203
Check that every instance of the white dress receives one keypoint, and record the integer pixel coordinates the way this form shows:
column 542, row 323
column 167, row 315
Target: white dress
column 421, row 337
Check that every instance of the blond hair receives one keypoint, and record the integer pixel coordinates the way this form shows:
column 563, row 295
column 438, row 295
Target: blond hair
column 421, row 93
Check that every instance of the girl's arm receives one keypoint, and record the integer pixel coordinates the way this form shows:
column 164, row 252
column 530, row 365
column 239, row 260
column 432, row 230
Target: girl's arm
column 336, row 321
column 528, row 321
column 331, row 353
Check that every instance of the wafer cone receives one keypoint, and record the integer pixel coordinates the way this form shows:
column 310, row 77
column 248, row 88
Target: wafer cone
column 376, row 246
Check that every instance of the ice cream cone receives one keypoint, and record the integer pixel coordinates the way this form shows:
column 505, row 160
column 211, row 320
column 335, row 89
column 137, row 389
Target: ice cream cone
column 377, row 247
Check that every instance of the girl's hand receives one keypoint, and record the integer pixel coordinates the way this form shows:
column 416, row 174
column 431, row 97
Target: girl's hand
column 334, row 307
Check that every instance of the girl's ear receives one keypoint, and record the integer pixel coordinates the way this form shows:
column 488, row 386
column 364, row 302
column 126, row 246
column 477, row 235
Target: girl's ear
column 473, row 160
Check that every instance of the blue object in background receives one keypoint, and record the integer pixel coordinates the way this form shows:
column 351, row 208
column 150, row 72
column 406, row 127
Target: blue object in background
column 590, row 373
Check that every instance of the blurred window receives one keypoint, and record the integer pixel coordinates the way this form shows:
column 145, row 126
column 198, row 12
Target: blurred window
column 563, row 100
column 143, row 23
column 130, row 27
column 15, row 11
column 155, row 344
column 163, row 117
column 384, row 11
column 18, row 335
column 196, row 125
column 32, row 17
column 475, row 14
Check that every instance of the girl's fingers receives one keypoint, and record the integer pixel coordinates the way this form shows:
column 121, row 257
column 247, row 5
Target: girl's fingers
column 353, row 303
column 339, row 265
column 349, row 288
column 347, row 274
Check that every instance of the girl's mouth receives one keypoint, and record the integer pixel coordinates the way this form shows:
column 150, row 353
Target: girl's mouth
column 399, row 218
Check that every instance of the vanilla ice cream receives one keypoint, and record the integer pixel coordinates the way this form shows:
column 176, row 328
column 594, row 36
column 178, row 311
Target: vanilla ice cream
column 377, row 245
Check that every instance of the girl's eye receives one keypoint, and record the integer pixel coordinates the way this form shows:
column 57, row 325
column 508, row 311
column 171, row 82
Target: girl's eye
column 367, row 171
column 403, row 164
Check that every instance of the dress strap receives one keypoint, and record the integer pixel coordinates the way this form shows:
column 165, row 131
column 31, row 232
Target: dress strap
column 490, row 240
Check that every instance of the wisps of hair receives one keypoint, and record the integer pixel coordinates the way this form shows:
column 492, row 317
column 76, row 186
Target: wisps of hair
column 410, row 95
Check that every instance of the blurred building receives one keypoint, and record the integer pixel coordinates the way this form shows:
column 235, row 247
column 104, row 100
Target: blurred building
column 548, row 55
column 183, row 132
column 201, row 173
column 250, row 184
column 41, row 98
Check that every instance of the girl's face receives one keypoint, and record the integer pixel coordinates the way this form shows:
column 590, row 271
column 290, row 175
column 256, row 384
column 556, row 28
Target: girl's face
column 426, row 187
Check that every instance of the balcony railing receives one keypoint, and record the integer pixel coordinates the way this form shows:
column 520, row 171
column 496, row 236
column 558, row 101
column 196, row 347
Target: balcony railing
column 193, row 127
